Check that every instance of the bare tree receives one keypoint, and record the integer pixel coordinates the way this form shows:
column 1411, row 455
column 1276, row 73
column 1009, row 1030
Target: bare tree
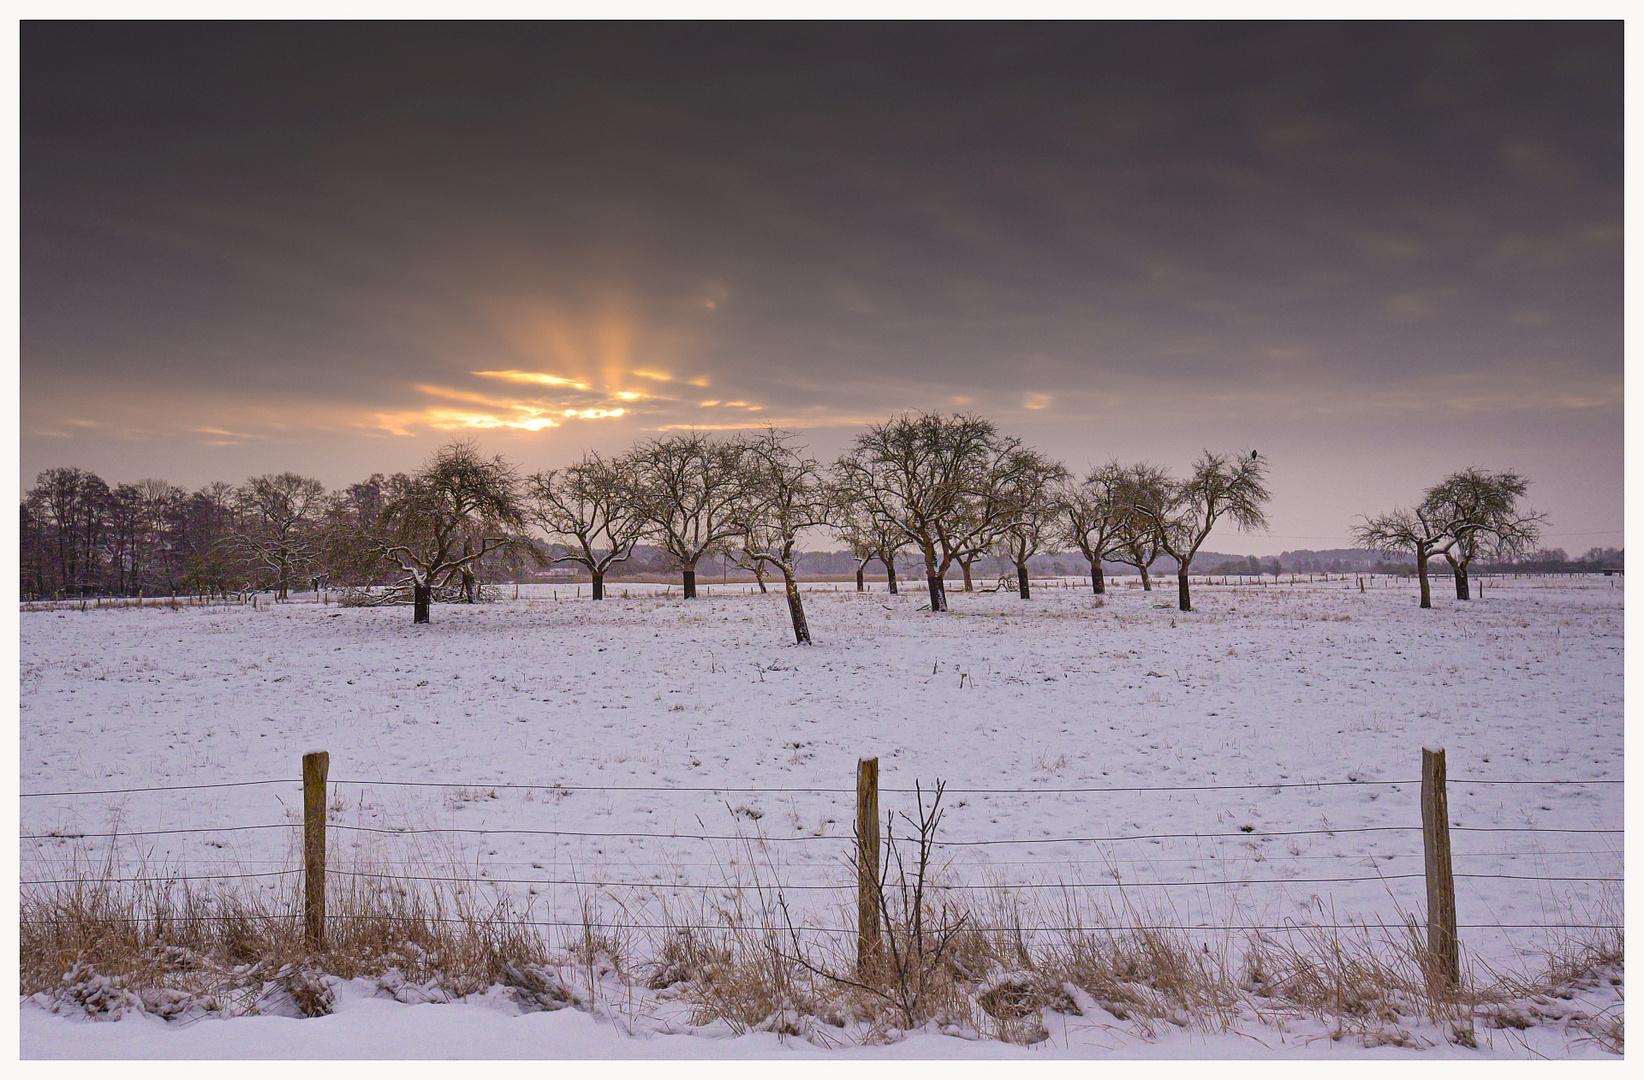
column 1219, row 487
column 277, row 515
column 1416, row 531
column 1094, row 518
column 687, row 488
column 141, row 520
column 781, row 493
column 939, row 479
column 1031, row 490
column 869, row 535
column 123, row 532
column 206, row 540
column 592, row 506
column 71, row 508
column 1480, row 512
column 438, row 524
column 1142, row 496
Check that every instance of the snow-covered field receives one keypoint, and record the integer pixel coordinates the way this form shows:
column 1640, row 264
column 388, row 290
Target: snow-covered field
column 1159, row 761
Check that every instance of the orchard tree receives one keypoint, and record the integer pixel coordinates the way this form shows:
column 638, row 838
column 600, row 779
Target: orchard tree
column 1480, row 512
column 939, row 479
column 275, row 525
column 438, row 524
column 1093, row 517
column 1219, row 487
column 593, row 508
column 687, row 489
column 1141, row 495
column 869, row 535
column 1031, row 490
column 1417, row 531
column 781, row 493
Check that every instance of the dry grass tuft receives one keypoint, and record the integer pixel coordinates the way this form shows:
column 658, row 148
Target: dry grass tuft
column 157, row 942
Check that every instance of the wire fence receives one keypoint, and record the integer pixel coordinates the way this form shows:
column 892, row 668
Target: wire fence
column 1113, row 872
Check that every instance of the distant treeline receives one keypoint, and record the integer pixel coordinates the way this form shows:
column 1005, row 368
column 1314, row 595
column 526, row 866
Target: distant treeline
column 1355, row 561
column 919, row 495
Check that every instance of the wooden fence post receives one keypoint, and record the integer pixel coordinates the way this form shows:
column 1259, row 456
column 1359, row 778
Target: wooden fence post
column 315, row 768
column 1442, row 945
column 867, row 865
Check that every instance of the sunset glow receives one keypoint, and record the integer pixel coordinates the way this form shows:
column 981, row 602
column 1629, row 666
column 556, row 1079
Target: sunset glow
column 533, row 377
column 1338, row 242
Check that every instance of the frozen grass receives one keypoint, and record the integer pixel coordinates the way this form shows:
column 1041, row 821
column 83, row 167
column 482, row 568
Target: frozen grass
column 176, row 945
column 991, row 965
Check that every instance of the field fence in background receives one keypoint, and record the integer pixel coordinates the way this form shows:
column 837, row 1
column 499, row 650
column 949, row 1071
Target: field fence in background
column 912, row 586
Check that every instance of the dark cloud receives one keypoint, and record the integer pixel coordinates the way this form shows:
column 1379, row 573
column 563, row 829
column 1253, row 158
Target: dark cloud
column 293, row 231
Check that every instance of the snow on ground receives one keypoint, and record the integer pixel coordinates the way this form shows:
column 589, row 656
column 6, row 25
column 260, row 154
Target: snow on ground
column 1263, row 685
column 365, row 1024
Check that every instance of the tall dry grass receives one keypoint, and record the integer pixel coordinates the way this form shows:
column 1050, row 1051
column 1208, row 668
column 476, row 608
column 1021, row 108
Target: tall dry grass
column 977, row 963
column 109, row 939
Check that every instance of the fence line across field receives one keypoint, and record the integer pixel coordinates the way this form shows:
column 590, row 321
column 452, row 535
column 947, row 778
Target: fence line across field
column 758, row 838
column 1105, row 867
column 471, row 785
column 1081, row 928
column 1435, row 828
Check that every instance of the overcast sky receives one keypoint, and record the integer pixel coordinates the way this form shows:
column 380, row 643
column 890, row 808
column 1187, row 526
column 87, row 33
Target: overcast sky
column 1374, row 253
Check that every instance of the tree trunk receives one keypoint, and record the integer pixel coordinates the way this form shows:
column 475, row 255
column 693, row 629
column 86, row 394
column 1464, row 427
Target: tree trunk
column 467, row 587
column 1182, row 600
column 1421, row 572
column 1022, row 581
column 890, row 576
column 860, row 585
column 285, row 582
column 796, row 610
column 599, row 584
column 1147, row 582
column 964, row 568
column 938, row 596
column 690, row 584
column 1463, row 586
column 759, row 576
column 420, row 596
column 1098, row 581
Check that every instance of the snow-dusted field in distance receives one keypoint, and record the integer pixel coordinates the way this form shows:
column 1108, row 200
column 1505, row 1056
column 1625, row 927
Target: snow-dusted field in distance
column 1262, row 685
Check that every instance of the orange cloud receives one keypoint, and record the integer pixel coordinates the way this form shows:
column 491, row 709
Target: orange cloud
column 540, row 377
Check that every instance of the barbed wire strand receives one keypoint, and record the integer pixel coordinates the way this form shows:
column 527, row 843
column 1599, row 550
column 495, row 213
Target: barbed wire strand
column 133, row 790
column 163, row 878
column 832, row 838
column 736, row 790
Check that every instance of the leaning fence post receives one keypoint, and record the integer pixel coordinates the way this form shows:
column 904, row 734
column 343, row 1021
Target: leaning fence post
column 867, row 864
column 315, row 767
column 1442, row 944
